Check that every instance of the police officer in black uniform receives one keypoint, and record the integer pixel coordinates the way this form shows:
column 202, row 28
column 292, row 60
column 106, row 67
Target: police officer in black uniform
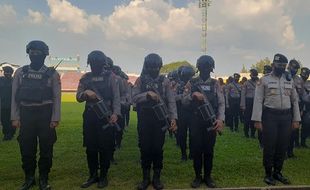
column 5, row 102
column 98, row 132
column 36, row 99
column 184, row 111
column 152, row 89
column 276, row 113
column 203, row 133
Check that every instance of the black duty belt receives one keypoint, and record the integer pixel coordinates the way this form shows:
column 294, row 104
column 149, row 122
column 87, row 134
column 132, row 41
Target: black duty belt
column 278, row 111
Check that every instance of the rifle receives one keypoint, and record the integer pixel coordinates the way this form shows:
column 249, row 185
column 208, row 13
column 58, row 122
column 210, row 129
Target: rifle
column 102, row 111
column 206, row 110
column 161, row 110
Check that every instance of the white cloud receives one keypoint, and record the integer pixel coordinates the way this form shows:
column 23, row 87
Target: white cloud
column 35, row 17
column 153, row 21
column 7, row 14
column 74, row 19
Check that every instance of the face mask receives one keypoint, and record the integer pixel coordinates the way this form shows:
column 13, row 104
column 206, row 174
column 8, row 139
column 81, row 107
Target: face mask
column 37, row 61
column 153, row 72
column 254, row 78
column 204, row 74
column 279, row 71
column 304, row 77
column 294, row 71
column 96, row 68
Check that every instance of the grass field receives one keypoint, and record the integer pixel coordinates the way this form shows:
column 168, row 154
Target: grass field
column 237, row 162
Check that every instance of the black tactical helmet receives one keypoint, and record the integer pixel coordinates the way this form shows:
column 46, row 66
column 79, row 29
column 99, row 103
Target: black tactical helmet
column 187, row 71
column 205, row 61
column 37, row 45
column 294, row 63
column 8, row 70
column 96, row 56
column 153, row 60
column 180, row 70
column 117, row 70
column 109, row 63
column 304, row 70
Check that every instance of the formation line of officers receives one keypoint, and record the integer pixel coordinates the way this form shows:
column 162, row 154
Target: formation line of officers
column 273, row 105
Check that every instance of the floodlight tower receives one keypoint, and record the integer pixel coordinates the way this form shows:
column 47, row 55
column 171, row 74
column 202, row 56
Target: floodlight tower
column 203, row 5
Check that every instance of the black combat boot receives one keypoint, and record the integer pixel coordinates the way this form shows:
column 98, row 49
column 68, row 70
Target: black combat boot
column 93, row 178
column 209, row 181
column 197, row 181
column 103, row 180
column 268, row 179
column 43, row 183
column 277, row 175
column 146, row 180
column 156, row 180
column 29, row 182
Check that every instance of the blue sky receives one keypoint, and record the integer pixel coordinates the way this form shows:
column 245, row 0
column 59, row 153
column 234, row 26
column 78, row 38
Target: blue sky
column 240, row 31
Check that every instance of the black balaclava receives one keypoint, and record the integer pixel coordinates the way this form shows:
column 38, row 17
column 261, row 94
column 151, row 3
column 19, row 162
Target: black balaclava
column 37, row 61
column 186, row 73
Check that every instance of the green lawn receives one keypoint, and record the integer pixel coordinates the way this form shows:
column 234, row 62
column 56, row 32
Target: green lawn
column 237, row 163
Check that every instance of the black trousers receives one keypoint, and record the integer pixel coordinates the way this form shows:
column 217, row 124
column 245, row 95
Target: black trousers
column 248, row 123
column 305, row 133
column 294, row 141
column 202, row 145
column 99, row 142
column 184, row 123
column 35, row 128
column 234, row 105
column 276, row 133
column 119, row 134
column 8, row 130
column 151, row 139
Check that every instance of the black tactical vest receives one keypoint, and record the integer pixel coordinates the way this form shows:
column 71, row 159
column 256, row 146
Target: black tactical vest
column 150, row 84
column 100, row 84
column 34, row 86
column 209, row 90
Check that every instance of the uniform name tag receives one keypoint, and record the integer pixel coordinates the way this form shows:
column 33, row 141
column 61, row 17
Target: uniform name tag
column 205, row 87
column 97, row 79
column 273, row 85
column 287, row 85
column 34, row 76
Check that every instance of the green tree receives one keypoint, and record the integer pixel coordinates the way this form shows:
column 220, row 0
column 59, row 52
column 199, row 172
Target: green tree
column 243, row 70
column 259, row 66
column 173, row 66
